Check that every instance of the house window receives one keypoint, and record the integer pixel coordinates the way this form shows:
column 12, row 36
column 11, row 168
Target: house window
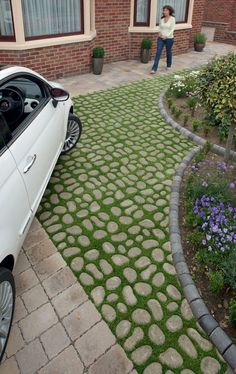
column 6, row 21
column 181, row 8
column 50, row 18
column 142, row 12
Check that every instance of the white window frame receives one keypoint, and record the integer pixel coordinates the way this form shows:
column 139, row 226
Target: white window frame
column 21, row 43
column 153, row 28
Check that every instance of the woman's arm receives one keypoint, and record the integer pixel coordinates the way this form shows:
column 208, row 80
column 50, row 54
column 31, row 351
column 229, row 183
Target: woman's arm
column 171, row 28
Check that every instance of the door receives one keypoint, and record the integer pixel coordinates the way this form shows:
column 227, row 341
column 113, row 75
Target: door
column 38, row 136
column 15, row 212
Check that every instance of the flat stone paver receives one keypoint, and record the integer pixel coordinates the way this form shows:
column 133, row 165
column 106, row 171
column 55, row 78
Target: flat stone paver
column 110, row 203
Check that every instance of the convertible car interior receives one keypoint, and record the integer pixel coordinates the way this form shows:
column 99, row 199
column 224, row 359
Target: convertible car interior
column 18, row 98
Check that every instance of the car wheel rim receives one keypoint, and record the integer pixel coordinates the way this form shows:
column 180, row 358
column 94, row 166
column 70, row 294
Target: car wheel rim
column 6, row 310
column 72, row 135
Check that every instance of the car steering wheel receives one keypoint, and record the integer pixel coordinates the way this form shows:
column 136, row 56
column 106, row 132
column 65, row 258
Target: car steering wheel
column 12, row 104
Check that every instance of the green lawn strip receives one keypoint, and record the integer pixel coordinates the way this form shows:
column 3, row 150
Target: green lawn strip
column 124, row 142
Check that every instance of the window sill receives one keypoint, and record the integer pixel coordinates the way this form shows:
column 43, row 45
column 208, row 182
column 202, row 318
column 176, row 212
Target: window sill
column 145, row 29
column 40, row 43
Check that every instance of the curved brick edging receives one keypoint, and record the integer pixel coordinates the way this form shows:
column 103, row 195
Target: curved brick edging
column 188, row 134
column 211, row 327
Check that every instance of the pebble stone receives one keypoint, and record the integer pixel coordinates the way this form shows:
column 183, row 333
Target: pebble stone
column 142, row 262
column 130, row 274
column 173, row 292
column 186, row 310
column 141, row 316
column 92, row 255
column 171, row 358
column 77, row 263
column 174, row 323
column 146, row 274
column 154, row 368
column 169, row 268
column 158, row 279
column 209, row 365
column 143, row 289
column 158, row 255
column 203, row 343
column 172, row 307
column 98, row 295
column 156, row 335
column 156, row 309
column 108, row 313
column 141, row 354
column 122, row 308
column 134, row 339
column 112, row 298
column 129, row 296
column 123, row 328
column 113, row 283
column 86, row 279
column 187, row 346
column 105, row 267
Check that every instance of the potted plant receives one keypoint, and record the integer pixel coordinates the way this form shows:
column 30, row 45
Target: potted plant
column 146, row 46
column 199, row 41
column 98, row 58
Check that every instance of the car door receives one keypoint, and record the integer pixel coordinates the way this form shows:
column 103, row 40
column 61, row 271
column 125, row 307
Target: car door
column 38, row 138
column 15, row 212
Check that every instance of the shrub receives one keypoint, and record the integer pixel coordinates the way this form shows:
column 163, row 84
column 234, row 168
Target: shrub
column 216, row 90
column 216, row 279
column 232, row 312
column 173, row 109
column 192, row 102
column 178, row 113
column 196, row 124
column 169, row 103
column 98, row 52
column 146, row 44
column 206, row 130
column 229, row 269
column 186, row 119
column 200, row 38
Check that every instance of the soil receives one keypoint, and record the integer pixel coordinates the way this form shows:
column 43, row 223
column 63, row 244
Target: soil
column 212, row 137
column 217, row 304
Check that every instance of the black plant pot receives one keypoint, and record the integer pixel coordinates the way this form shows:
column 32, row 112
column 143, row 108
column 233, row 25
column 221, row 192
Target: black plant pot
column 97, row 65
column 198, row 47
column 145, row 55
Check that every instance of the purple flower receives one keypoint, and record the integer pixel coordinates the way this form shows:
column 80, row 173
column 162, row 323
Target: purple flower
column 232, row 185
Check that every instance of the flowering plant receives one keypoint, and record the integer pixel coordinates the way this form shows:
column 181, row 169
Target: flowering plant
column 184, row 85
column 217, row 220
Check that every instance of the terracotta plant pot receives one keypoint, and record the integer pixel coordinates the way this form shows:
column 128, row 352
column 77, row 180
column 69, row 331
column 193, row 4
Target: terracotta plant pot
column 97, row 65
column 198, row 47
column 145, row 55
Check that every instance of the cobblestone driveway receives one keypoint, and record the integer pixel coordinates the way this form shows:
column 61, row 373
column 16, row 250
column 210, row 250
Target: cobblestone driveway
column 106, row 210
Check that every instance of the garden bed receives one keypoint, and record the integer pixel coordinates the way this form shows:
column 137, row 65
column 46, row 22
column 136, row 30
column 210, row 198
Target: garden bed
column 210, row 133
column 206, row 170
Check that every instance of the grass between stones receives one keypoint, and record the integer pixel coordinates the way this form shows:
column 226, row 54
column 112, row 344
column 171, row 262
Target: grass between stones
column 106, row 210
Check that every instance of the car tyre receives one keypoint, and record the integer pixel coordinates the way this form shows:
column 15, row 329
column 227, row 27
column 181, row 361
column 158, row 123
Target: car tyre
column 74, row 130
column 7, row 305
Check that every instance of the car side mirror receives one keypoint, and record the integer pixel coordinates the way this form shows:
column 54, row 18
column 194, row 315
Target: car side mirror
column 58, row 94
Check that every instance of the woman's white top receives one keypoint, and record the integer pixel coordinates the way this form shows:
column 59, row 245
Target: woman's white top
column 167, row 28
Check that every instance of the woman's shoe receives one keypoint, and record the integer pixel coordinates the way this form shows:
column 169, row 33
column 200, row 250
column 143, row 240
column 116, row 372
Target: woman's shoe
column 168, row 69
column 153, row 72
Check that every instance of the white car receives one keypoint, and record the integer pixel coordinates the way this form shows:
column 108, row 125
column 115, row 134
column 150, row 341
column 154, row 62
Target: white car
column 36, row 125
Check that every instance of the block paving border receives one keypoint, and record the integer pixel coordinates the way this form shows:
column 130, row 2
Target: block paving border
column 56, row 328
column 211, row 327
column 216, row 334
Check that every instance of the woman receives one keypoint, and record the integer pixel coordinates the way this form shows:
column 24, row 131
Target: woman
column 166, row 37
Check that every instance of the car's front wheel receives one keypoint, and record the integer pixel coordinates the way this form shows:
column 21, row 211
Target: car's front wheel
column 74, row 130
column 7, row 304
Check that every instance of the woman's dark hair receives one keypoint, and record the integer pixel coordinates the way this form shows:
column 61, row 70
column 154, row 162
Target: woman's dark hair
column 171, row 10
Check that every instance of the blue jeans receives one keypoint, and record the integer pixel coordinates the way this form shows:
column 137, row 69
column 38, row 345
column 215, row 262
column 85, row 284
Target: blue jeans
column 168, row 43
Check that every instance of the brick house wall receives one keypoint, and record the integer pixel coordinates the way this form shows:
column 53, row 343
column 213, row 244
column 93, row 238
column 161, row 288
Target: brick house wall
column 221, row 15
column 112, row 22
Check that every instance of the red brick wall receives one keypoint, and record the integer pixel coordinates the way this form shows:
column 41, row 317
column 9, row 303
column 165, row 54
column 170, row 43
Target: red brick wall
column 219, row 10
column 112, row 23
